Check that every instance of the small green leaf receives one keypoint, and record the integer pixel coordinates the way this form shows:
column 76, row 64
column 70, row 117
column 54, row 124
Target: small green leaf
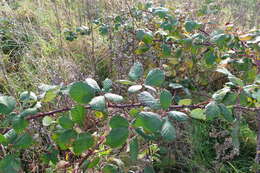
column 7, row 104
column 210, row 58
column 2, row 139
column 93, row 163
column 98, row 103
column 149, row 169
column 10, row 136
column 50, row 95
column 118, row 121
column 117, row 137
column 19, row 124
column 145, row 36
column 109, row 169
column 198, row 114
column 10, row 164
column 165, row 99
column 66, row 138
column 66, row 122
column 134, row 148
column 51, row 155
column 220, row 94
column 134, row 88
column 185, row 102
column 28, row 96
column 24, row 141
column 179, row 116
column 81, row 92
column 155, row 77
column 168, row 131
column 235, row 135
column 147, row 99
column 226, row 113
column 28, row 112
column 47, row 121
column 212, row 110
column 236, row 81
column 83, row 142
column 78, row 114
column 136, row 71
column 191, row 25
column 126, row 82
column 149, row 121
column 107, row 84
column 114, row 97
column 93, row 84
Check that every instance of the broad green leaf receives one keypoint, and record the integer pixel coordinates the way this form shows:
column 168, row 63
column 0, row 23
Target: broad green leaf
column 10, row 136
column 81, row 92
column 47, row 121
column 7, row 104
column 147, row 99
column 78, row 114
column 191, row 25
column 136, row 71
column 168, row 131
column 93, row 163
column 66, row 138
column 114, row 97
column 198, row 114
column 160, row 11
column 226, row 113
column 212, row 110
column 221, row 39
column 28, row 96
column 24, row 141
column 166, row 50
column 93, row 84
column 19, row 124
column 185, row 102
column 145, row 36
column 118, row 121
column 83, row 142
column 149, row 121
column 126, row 82
column 50, row 94
column 149, row 169
column 220, row 94
column 66, row 122
column 179, row 116
column 28, row 112
column 3, row 140
column 134, row 148
column 107, row 84
column 155, row 77
column 10, row 164
column 134, row 88
column 98, row 103
column 236, row 81
column 165, row 99
column 109, row 168
column 51, row 155
column 117, row 137
column 210, row 58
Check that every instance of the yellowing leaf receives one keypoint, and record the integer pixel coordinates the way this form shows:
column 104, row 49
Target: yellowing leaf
column 245, row 37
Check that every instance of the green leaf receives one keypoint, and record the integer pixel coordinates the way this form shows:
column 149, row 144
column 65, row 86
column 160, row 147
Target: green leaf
column 126, row 82
column 168, row 131
column 118, row 121
column 220, row 39
column 191, row 25
column 83, row 142
column 51, row 94
column 147, row 99
column 212, row 110
column 117, row 137
column 2, row 139
column 47, row 121
column 160, row 11
column 81, row 92
column 10, row 136
column 93, row 84
column 210, row 58
column 28, row 112
column 149, row 121
column 236, row 81
column 134, row 148
column 51, row 155
column 165, row 99
column 78, row 114
column 166, row 50
column 226, row 113
column 10, row 164
column 220, row 94
column 185, row 102
column 98, row 103
column 66, row 122
column 179, row 116
column 114, row 97
column 7, row 104
column 198, row 114
column 235, row 135
column 149, row 169
column 134, row 88
column 19, row 124
column 93, row 163
column 107, row 84
column 24, row 141
column 66, row 138
column 136, row 71
column 28, row 96
column 145, row 36
column 109, row 169
column 155, row 77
